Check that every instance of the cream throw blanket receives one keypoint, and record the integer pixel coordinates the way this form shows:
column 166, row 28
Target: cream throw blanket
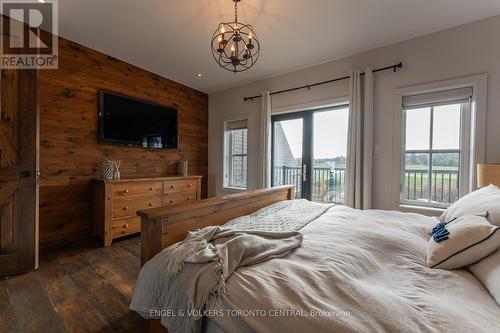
column 199, row 265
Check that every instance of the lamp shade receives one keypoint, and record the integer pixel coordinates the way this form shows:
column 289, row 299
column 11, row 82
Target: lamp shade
column 488, row 174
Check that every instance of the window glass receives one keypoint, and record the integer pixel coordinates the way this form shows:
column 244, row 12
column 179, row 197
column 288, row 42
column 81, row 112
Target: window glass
column 446, row 127
column 445, row 176
column 418, row 122
column 236, row 143
column 416, row 177
column 330, row 130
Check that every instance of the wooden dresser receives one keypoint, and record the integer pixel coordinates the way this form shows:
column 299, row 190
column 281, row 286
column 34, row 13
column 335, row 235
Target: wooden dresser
column 117, row 201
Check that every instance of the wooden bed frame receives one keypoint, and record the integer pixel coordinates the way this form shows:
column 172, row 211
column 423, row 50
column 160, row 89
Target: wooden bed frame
column 164, row 226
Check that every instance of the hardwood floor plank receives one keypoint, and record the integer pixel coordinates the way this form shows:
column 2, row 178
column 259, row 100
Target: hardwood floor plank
column 122, row 278
column 82, row 288
column 7, row 319
column 31, row 307
column 78, row 315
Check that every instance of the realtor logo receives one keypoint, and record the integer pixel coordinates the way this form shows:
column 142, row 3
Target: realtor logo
column 29, row 34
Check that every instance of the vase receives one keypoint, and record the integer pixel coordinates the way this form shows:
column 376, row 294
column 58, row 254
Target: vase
column 105, row 169
column 182, row 168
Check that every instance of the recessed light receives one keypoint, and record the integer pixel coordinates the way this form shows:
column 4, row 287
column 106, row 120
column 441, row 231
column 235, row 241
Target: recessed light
column 41, row 1
column 199, row 75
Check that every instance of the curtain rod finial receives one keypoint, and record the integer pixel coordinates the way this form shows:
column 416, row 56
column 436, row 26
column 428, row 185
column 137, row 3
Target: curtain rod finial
column 399, row 65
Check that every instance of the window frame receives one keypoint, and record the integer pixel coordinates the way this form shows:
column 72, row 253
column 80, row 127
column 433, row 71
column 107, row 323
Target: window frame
column 463, row 151
column 228, row 156
column 479, row 86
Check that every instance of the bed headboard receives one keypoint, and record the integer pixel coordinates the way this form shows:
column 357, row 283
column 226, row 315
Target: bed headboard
column 164, row 226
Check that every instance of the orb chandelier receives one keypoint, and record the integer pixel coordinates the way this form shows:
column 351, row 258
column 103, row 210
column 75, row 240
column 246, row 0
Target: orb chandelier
column 235, row 46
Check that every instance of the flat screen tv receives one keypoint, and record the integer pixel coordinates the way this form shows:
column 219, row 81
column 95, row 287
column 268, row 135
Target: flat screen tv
column 133, row 122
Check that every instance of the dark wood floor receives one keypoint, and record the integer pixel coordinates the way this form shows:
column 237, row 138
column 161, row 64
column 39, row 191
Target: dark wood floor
column 83, row 288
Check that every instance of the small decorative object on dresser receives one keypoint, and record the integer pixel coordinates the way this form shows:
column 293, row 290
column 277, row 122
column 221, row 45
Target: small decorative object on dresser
column 182, row 168
column 105, row 169
column 116, row 169
column 116, row 201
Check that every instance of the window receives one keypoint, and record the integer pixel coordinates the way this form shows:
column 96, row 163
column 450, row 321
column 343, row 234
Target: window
column 235, row 166
column 309, row 150
column 436, row 147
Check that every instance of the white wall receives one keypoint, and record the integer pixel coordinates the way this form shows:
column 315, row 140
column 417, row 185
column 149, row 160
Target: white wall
column 465, row 50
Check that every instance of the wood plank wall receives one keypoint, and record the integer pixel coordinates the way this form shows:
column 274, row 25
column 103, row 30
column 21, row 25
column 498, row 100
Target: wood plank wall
column 69, row 149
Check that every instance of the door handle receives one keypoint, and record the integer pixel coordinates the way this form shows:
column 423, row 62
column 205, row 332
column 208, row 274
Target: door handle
column 26, row 174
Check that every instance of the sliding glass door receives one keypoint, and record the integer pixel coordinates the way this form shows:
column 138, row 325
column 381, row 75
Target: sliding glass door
column 309, row 150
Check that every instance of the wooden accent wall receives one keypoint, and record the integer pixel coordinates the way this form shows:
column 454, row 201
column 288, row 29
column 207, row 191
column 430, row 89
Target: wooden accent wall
column 69, row 147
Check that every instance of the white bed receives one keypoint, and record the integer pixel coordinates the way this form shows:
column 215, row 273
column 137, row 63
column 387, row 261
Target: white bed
column 356, row 271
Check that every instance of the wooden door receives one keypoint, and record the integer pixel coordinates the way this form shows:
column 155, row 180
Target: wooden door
column 19, row 132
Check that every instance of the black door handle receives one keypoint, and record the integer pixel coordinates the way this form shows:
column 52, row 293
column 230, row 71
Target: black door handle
column 26, row 174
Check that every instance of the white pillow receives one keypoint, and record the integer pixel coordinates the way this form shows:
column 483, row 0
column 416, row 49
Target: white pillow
column 488, row 272
column 470, row 239
column 481, row 201
column 494, row 216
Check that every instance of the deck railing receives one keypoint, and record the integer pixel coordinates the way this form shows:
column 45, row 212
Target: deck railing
column 444, row 185
column 328, row 184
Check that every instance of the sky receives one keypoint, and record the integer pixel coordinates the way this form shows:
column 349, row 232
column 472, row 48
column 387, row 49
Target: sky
column 329, row 135
column 331, row 127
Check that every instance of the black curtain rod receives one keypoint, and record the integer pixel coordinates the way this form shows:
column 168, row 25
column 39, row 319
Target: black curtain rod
column 309, row 86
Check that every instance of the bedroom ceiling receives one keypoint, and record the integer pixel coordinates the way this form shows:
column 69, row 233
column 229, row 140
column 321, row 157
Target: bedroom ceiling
column 172, row 38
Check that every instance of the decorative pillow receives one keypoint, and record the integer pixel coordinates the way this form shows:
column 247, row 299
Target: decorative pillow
column 468, row 240
column 488, row 272
column 481, row 201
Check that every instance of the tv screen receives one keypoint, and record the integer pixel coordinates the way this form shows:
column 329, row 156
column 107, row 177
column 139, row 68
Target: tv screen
column 130, row 121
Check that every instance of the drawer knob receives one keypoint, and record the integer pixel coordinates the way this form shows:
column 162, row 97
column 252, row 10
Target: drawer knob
column 189, row 198
column 125, row 208
column 171, row 201
column 189, row 185
column 171, row 186
column 125, row 226
column 150, row 188
column 150, row 204
column 126, row 191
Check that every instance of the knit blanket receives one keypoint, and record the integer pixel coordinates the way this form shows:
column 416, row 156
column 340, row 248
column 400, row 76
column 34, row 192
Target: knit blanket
column 199, row 265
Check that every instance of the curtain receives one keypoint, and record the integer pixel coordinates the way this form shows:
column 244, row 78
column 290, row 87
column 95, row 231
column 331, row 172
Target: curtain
column 360, row 141
column 265, row 141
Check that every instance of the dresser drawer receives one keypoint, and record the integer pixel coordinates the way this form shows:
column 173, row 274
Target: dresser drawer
column 136, row 189
column 126, row 226
column 175, row 198
column 129, row 207
column 180, row 186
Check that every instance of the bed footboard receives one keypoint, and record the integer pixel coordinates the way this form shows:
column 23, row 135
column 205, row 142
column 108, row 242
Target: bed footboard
column 164, row 226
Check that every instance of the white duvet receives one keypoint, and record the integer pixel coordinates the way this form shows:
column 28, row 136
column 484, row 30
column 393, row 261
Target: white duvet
column 357, row 271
